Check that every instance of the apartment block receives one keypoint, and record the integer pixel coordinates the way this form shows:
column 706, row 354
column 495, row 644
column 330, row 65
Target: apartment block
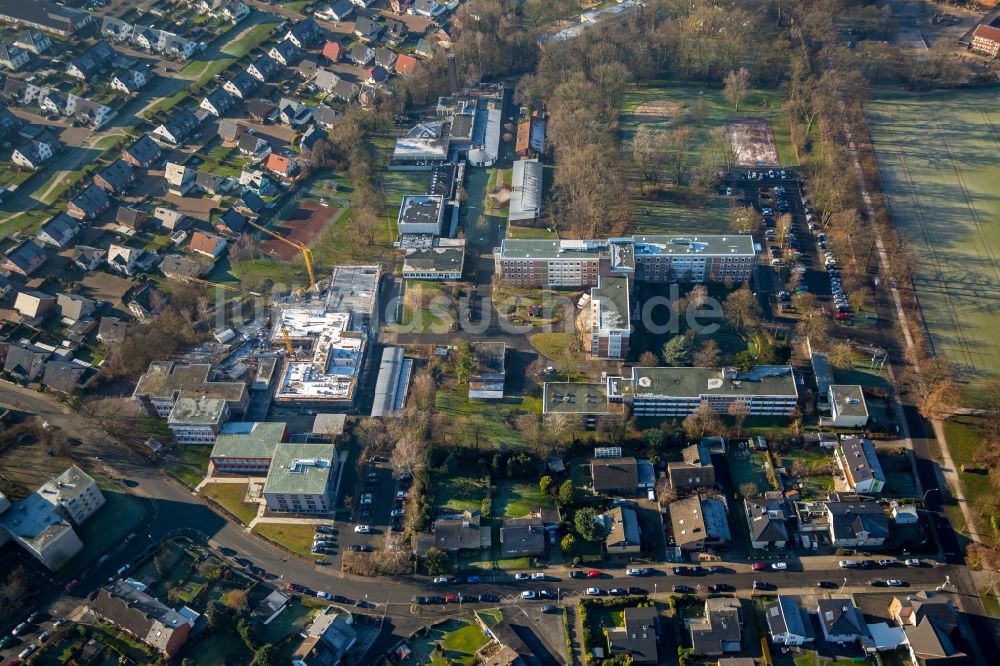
column 246, row 448
column 610, row 318
column 302, row 479
column 163, row 383
column 197, row 420
column 75, row 493
column 694, row 258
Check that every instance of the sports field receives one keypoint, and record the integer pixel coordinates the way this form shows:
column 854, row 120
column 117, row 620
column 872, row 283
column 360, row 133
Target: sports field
column 938, row 158
column 665, row 105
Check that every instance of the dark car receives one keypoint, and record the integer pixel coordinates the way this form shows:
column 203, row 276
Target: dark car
column 722, row 587
column 682, row 571
column 242, row 561
column 420, row 601
column 699, row 571
column 295, row 587
column 341, row 599
column 546, row 594
column 228, row 552
column 617, row 592
column 435, row 600
column 489, row 598
column 683, row 589
column 717, row 569
column 256, row 571
column 827, row 585
column 763, row 585
column 577, row 574
column 867, row 564
column 637, row 590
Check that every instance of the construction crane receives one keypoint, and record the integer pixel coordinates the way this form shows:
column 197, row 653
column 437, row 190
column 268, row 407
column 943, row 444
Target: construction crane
column 211, row 284
column 288, row 340
column 301, row 247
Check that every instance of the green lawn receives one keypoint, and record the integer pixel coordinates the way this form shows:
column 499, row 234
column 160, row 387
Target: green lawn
column 108, row 526
column 291, row 621
column 493, row 423
column 936, row 154
column 459, row 493
column 428, row 307
column 553, row 345
column 230, row 496
column 516, row 499
column 990, row 603
column 296, row 538
column 22, row 221
column 964, row 440
column 459, row 641
column 249, row 39
column 190, row 464
column 531, row 233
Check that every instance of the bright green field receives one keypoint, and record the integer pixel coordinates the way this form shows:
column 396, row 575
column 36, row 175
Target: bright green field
column 665, row 216
column 937, row 154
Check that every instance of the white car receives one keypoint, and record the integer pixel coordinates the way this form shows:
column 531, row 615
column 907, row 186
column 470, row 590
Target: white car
column 895, row 582
column 538, row 575
column 529, row 594
column 912, row 562
column 325, row 595
column 594, row 591
column 442, row 580
column 397, row 512
column 779, row 566
column 362, row 529
column 636, row 572
column 521, row 576
column 848, row 564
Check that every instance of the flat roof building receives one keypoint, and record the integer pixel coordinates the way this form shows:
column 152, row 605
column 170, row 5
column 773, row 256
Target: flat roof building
column 246, row 447
column 39, row 527
column 610, row 318
column 354, row 289
column 699, row 522
column 443, row 260
column 848, row 408
column 74, row 492
column 526, row 192
column 487, row 379
column 391, row 385
column 330, row 376
column 197, row 419
column 161, row 385
column 421, row 214
column 302, row 479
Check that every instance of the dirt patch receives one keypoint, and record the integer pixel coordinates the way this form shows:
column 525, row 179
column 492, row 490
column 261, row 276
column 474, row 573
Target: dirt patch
column 304, row 225
column 659, row 108
column 753, row 142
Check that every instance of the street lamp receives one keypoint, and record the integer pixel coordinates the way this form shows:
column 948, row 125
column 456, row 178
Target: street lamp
column 845, row 583
column 654, row 590
column 927, row 492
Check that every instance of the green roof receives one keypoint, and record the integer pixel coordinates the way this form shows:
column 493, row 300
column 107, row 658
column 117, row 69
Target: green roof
column 300, row 469
column 248, row 440
column 761, row 380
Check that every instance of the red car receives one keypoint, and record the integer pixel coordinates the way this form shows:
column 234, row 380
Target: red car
column 450, row 598
column 296, row 587
column 759, row 566
column 844, row 315
column 70, row 585
column 593, row 573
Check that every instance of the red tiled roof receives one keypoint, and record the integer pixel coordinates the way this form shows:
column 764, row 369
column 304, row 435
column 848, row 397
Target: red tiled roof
column 333, row 50
column 405, row 64
column 278, row 163
column 987, row 32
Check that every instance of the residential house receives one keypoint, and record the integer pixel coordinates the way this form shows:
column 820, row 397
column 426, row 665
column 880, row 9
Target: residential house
column 58, row 231
column 310, row 137
column 25, row 362
column 207, row 244
column 75, row 307
column 68, row 377
column 132, row 79
column 24, row 258
column 719, row 631
column 229, row 131
column 116, row 178
column 930, row 624
column 362, row 55
column 428, row 8
column 264, row 68
column 694, row 470
column 270, row 608
column 34, row 41
column 13, row 57
column 340, row 10
column 94, row 61
column 522, row 536
column 256, row 181
column 767, row 518
column 622, row 535
column 22, row 92
column 211, row 184
column 146, row 302
column 858, row 462
column 131, row 218
column 405, row 64
column 32, row 154
column 218, row 102
column 182, row 267
column 364, row 4
column 52, row 101
column 841, row 621
column 9, row 123
column 231, row 223
column 88, row 258
column 281, row 165
column 376, row 76
column 699, row 523
column 326, row 80
column 293, row 112
column 346, row 91
column 637, row 637
column 333, row 51
column 324, row 116
column 788, row 622
column 180, row 179
column 178, row 128
column 847, row 406
column 112, row 330
column 305, row 34
column 453, row 533
column 250, row 203
column 424, row 48
column 261, row 111
column 89, row 203
column 367, row 29
column 253, row 146
column 243, row 85
column 986, row 39
column 395, row 31
column 170, row 219
column 399, row 6
column 855, row 523
column 615, row 476
column 5, row 287
column 124, row 259
column 141, row 616
column 285, row 53
column 143, row 153
column 34, row 304
column 87, row 112
column 385, row 58
column 234, row 11
column 326, row 640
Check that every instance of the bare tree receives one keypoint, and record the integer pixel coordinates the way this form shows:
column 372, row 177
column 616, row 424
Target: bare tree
column 743, row 219
column 648, row 360
column 739, row 410
column 702, row 421
column 737, row 87
column 707, row 355
column 739, row 308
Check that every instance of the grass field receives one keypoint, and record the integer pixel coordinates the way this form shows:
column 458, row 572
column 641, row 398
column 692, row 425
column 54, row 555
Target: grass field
column 296, row 538
column 665, row 215
column 937, row 156
column 516, row 499
column 230, row 496
column 189, row 465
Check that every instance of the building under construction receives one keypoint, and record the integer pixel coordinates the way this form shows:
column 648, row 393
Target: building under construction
column 326, row 342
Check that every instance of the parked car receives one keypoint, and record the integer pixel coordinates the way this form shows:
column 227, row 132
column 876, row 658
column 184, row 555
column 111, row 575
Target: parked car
column 529, row 595
column 325, row 595
column 848, row 564
column 442, row 580
column 722, row 587
column 577, row 574
column 295, row 587
column 617, row 592
column 764, row 585
column 594, row 591
column 362, row 529
column 827, row 585
column 522, row 576
column 547, row 594
column 779, row 566
column 593, row 573
column 759, row 566
column 639, row 571
column 538, row 575
column 913, row 562
column 637, row 590
column 472, row 579
column 683, row 589
column 397, row 512
column 419, row 601
column 549, row 608
column 488, row 598
column 895, row 582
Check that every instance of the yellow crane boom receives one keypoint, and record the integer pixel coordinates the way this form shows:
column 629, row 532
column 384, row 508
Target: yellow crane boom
column 288, row 340
column 306, row 252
